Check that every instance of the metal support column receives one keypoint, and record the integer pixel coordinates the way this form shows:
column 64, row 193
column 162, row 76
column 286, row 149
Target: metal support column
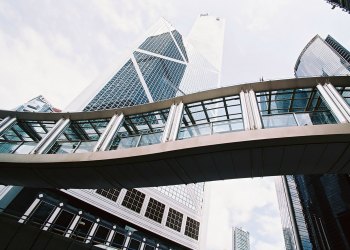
column 110, row 236
column 105, row 133
column 111, row 133
column 126, row 243
column 143, row 244
column 169, row 122
column 30, row 209
column 244, row 106
column 338, row 99
column 176, row 122
column 53, row 217
column 7, row 123
column 331, row 104
column 92, row 231
column 249, row 111
column 45, row 143
column 73, row 225
column 255, row 110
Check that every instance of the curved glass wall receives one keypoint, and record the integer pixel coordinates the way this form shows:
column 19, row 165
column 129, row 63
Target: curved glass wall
column 293, row 107
column 23, row 136
column 208, row 117
column 140, row 130
column 319, row 59
column 79, row 137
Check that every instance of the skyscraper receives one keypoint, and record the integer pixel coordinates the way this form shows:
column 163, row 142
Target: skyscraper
column 240, row 239
column 344, row 4
column 161, row 65
column 315, row 210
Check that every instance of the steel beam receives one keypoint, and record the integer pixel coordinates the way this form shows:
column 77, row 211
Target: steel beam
column 169, row 122
column 331, row 104
column 339, row 100
column 52, row 217
column 7, row 123
column 255, row 110
column 105, row 133
column 246, row 120
column 111, row 133
column 44, row 145
column 176, row 122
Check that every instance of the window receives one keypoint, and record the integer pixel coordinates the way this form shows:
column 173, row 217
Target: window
column 110, row 193
column 174, row 219
column 133, row 200
column 192, row 228
column 155, row 210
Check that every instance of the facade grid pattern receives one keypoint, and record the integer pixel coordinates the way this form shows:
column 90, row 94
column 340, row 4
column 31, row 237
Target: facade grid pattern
column 162, row 44
column 134, row 200
column 192, row 228
column 155, row 210
column 174, row 220
column 110, row 193
column 124, row 89
column 163, row 77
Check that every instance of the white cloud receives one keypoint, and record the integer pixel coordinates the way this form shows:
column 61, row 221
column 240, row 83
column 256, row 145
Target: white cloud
column 243, row 203
column 31, row 68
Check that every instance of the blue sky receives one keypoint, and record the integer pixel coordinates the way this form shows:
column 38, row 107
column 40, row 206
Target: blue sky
column 57, row 48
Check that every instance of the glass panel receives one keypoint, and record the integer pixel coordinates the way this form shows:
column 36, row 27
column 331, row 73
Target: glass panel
column 188, row 132
column 150, row 139
column 148, row 126
column 274, row 121
column 85, row 147
column 25, row 148
column 227, row 126
column 23, row 136
column 129, row 142
column 79, row 137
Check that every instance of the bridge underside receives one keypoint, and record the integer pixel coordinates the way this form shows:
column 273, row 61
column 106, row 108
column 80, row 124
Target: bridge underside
column 267, row 152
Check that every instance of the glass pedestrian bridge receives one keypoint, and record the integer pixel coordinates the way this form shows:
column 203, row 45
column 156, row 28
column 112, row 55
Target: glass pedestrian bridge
column 292, row 126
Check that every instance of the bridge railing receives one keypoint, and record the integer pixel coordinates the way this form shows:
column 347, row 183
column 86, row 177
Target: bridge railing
column 263, row 105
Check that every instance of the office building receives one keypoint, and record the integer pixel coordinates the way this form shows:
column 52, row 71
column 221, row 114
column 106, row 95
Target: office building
column 240, row 239
column 161, row 65
column 315, row 210
column 343, row 4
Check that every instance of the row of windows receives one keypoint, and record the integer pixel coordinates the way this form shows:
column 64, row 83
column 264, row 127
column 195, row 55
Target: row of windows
column 155, row 210
column 278, row 108
column 82, row 229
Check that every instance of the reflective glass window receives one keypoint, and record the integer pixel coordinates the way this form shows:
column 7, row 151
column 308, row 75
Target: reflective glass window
column 293, row 107
column 140, row 130
column 23, row 136
column 208, row 117
column 79, row 137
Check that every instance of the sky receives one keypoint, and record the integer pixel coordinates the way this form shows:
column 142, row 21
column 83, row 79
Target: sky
column 57, row 48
